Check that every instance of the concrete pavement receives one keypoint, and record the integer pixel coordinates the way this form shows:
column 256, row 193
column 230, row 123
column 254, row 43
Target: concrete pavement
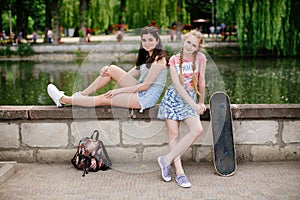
column 253, row 180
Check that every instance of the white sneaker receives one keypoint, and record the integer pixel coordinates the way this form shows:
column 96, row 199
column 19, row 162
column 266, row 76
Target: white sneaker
column 183, row 181
column 165, row 169
column 55, row 95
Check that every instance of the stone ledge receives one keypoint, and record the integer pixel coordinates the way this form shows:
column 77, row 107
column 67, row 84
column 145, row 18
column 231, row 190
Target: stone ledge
column 239, row 111
column 14, row 112
column 260, row 111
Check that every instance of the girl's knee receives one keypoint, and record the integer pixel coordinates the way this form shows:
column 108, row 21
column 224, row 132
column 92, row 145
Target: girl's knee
column 199, row 131
column 112, row 67
column 173, row 135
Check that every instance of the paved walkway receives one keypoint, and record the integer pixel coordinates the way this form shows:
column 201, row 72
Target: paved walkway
column 61, row 181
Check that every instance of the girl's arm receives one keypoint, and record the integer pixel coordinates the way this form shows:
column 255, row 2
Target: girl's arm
column 152, row 75
column 201, row 83
column 180, row 89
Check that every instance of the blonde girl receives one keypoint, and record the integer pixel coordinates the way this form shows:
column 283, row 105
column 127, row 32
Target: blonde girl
column 187, row 70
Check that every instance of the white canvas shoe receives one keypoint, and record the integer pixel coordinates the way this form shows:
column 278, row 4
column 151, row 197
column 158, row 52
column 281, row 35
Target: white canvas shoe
column 165, row 169
column 183, row 181
column 55, row 95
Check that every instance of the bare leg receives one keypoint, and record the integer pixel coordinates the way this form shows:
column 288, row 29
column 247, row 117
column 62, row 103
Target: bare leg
column 173, row 132
column 113, row 72
column 195, row 129
column 126, row 100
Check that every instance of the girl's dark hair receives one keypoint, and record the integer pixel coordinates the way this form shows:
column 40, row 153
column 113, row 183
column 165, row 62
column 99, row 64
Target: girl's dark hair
column 143, row 57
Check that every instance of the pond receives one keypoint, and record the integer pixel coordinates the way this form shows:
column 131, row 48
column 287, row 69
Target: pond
column 245, row 80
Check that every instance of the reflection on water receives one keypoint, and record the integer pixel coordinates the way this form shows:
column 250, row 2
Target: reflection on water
column 261, row 80
column 245, row 80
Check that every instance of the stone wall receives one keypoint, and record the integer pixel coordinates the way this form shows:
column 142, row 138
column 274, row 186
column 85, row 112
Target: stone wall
column 43, row 134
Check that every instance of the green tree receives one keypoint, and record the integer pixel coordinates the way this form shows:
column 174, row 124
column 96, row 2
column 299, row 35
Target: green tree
column 23, row 8
column 5, row 5
column 38, row 15
column 82, row 11
column 263, row 25
column 69, row 14
column 140, row 13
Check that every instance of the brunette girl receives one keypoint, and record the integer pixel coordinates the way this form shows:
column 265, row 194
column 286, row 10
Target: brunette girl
column 141, row 94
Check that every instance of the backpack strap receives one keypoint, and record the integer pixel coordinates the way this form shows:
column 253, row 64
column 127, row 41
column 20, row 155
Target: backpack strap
column 85, row 168
column 97, row 135
column 106, row 159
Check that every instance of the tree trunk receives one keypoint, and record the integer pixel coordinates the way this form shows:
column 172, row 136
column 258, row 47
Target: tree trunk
column 122, row 13
column 56, row 38
column 82, row 32
column 1, row 19
column 48, row 18
column 22, row 18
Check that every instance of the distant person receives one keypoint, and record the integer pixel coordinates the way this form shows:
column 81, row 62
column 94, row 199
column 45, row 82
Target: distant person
column 3, row 35
column 88, row 37
column 34, row 36
column 223, row 27
column 120, row 34
column 49, row 35
column 218, row 30
column 88, row 34
column 172, row 33
column 212, row 30
column 20, row 35
column 12, row 38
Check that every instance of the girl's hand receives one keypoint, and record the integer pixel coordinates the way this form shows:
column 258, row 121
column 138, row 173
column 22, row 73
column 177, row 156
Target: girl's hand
column 112, row 93
column 103, row 71
column 201, row 108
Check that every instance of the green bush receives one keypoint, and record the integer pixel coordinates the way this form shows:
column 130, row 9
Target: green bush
column 24, row 50
column 6, row 52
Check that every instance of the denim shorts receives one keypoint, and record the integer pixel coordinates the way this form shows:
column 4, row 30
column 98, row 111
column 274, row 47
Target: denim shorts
column 148, row 98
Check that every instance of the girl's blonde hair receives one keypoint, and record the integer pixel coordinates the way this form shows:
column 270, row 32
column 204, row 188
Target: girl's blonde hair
column 198, row 35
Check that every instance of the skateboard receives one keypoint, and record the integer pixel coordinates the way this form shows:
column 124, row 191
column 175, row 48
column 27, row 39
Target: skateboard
column 223, row 143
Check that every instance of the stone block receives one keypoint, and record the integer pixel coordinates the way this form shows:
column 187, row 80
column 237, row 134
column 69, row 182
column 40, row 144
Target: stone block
column 124, row 155
column 275, row 153
column 108, row 131
column 21, row 156
column 9, row 135
column 150, row 154
column 187, row 156
column 243, row 152
column 291, row 132
column 136, row 132
column 44, row 134
column 206, row 137
column 203, row 153
column 255, row 132
column 55, row 155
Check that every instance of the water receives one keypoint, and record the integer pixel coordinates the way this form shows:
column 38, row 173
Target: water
column 251, row 81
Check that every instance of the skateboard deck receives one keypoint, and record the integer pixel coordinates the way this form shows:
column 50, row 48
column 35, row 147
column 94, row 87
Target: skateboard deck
column 223, row 143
